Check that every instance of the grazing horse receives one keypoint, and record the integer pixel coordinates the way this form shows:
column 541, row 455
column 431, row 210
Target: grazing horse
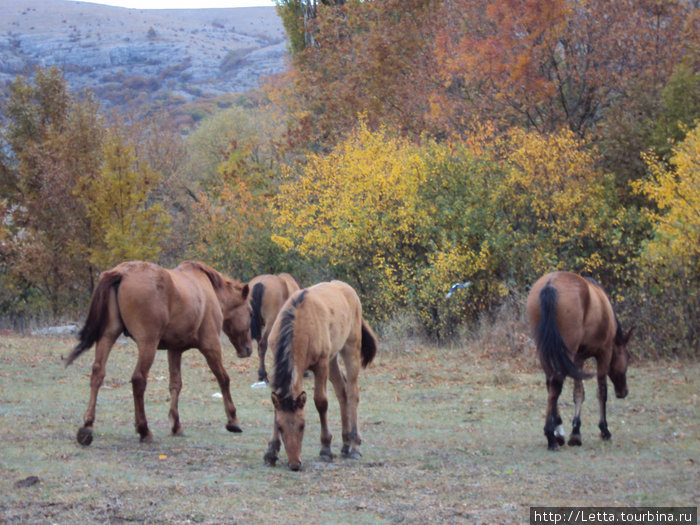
column 571, row 319
column 267, row 295
column 315, row 326
column 164, row 309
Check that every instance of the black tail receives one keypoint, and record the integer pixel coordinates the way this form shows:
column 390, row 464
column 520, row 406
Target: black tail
column 550, row 345
column 97, row 314
column 256, row 322
column 369, row 344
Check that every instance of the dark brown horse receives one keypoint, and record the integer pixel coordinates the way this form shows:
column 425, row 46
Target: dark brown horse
column 571, row 319
column 164, row 309
column 315, row 326
column 267, row 295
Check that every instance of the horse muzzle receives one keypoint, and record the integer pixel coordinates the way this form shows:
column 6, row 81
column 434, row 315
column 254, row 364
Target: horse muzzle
column 295, row 467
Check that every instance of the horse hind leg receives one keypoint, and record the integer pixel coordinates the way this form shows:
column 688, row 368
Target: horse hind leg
column 175, row 372
column 351, row 358
column 147, row 353
column 553, row 422
column 602, row 400
column 262, row 350
column 339, row 383
column 102, row 350
column 579, row 396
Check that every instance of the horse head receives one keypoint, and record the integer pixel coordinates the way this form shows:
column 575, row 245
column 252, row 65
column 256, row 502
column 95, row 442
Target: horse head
column 289, row 423
column 237, row 313
column 619, row 362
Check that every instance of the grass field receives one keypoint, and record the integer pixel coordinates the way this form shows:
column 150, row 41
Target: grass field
column 450, row 435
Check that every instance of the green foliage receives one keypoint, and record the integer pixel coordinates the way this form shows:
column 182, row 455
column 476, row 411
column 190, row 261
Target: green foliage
column 290, row 11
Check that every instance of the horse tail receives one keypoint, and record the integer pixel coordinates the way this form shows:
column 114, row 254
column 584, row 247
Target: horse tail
column 369, row 344
column 256, row 320
column 550, row 344
column 97, row 314
column 283, row 372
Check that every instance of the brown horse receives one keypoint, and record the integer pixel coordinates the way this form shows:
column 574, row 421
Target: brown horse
column 164, row 309
column 315, row 326
column 571, row 319
column 267, row 295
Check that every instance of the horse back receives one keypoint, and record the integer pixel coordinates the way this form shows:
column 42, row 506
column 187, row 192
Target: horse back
column 337, row 308
column 273, row 291
column 167, row 306
column 584, row 315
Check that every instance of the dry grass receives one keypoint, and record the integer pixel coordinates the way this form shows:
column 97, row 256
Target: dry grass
column 450, row 435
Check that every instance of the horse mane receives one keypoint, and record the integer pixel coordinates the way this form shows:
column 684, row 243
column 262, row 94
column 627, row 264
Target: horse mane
column 619, row 333
column 283, row 372
column 217, row 280
column 256, row 320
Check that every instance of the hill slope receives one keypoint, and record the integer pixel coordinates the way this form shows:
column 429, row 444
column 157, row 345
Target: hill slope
column 132, row 56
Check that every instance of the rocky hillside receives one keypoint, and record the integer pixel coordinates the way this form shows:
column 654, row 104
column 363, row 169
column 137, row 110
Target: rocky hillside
column 142, row 57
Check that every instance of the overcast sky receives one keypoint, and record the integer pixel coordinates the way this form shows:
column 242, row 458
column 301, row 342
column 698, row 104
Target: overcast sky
column 183, row 4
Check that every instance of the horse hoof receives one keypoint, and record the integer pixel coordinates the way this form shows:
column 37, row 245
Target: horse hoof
column 353, row 454
column 148, row 438
column 234, row 427
column 561, row 440
column 575, row 441
column 270, row 459
column 554, row 447
column 326, row 456
column 605, row 436
column 84, row 436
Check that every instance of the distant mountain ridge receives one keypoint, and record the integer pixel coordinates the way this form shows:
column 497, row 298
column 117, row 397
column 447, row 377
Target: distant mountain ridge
column 134, row 56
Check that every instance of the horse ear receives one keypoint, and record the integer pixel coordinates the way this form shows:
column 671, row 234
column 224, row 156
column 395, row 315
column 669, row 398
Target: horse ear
column 244, row 292
column 301, row 401
column 276, row 401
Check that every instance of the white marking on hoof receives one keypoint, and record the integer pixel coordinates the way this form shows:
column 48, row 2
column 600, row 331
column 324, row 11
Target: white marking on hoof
column 559, row 431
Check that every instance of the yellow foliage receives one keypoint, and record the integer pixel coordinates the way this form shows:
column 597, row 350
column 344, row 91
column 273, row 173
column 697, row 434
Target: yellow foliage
column 126, row 225
column 557, row 201
column 357, row 209
column 676, row 192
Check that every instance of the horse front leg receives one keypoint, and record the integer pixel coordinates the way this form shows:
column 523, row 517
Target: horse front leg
column 139, row 379
column 214, row 359
column 579, row 396
column 602, row 400
column 552, row 425
column 175, row 372
column 273, row 446
column 102, row 349
column 321, row 402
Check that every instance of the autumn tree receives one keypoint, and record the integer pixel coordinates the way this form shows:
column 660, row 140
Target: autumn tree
column 553, row 63
column 355, row 212
column 124, row 222
column 53, row 138
column 369, row 58
column 231, row 212
column 666, row 298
